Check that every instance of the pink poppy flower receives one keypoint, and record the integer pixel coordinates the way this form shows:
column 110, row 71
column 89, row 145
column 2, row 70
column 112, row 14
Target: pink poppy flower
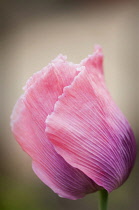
column 66, row 120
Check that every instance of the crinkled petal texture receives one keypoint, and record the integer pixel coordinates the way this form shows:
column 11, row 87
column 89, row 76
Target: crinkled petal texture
column 89, row 131
column 28, row 125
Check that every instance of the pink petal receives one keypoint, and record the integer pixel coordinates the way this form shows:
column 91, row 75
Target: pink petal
column 89, row 131
column 28, row 126
column 94, row 61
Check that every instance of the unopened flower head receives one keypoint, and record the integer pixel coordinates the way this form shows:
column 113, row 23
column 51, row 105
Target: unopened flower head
column 77, row 137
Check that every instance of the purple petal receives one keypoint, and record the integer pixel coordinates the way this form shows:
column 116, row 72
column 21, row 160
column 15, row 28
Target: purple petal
column 89, row 131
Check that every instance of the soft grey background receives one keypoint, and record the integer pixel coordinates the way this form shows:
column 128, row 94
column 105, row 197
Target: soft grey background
column 32, row 34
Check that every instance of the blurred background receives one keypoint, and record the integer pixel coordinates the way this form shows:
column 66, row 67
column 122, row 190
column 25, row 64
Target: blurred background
column 32, row 34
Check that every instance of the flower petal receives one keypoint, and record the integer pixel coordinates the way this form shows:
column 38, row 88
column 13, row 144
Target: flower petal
column 89, row 131
column 94, row 61
column 28, row 126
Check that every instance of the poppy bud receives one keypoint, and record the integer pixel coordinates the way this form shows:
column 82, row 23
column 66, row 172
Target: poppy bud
column 77, row 137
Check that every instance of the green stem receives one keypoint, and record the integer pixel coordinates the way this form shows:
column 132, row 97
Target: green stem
column 103, row 195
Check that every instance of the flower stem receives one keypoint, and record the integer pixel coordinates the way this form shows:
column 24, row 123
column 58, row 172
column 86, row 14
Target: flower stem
column 103, row 196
